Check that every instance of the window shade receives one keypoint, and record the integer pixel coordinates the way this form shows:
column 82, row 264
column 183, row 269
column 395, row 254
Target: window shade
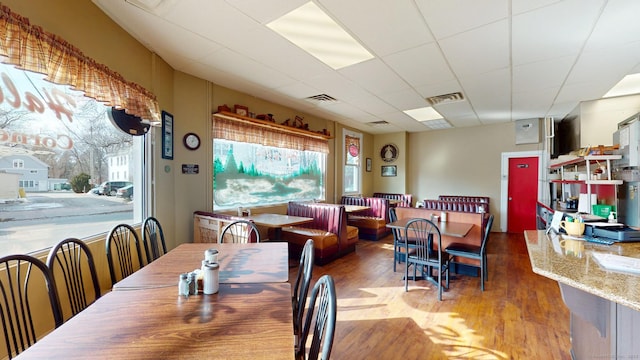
column 31, row 48
column 242, row 131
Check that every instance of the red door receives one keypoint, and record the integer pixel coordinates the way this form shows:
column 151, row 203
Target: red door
column 522, row 194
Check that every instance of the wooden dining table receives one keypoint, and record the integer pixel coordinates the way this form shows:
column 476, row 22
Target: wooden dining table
column 448, row 228
column 265, row 262
column 241, row 321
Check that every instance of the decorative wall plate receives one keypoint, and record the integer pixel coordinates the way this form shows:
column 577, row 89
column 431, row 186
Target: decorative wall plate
column 389, row 152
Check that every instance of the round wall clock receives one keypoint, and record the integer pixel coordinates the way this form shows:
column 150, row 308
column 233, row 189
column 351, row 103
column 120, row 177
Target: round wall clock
column 191, row 141
column 389, row 152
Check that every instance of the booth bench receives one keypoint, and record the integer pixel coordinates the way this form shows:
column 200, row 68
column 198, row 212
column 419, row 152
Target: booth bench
column 372, row 222
column 331, row 235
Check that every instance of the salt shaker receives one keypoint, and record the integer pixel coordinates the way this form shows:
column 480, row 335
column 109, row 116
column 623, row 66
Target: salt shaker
column 211, row 278
column 183, row 285
column 443, row 216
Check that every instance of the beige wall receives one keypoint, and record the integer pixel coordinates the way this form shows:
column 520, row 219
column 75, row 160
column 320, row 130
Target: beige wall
column 391, row 184
column 462, row 161
column 599, row 118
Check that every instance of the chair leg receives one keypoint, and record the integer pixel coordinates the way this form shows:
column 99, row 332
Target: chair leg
column 448, row 269
column 486, row 271
column 439, row 284
column 395, row 257
column 406, row 275
column 483, row 266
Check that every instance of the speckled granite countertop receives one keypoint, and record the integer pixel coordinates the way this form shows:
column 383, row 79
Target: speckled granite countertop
column 571, row 263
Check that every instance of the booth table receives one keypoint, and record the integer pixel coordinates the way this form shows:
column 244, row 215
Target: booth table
column 355, row 208
column 277, row 221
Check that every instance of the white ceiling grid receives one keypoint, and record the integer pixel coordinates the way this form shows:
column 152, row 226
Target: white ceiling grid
column 512, row 59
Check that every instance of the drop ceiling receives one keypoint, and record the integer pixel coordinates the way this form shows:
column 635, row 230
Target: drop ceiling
column 510, row 59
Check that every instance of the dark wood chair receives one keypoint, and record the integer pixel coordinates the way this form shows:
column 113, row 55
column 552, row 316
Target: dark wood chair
column 476, row 252
column 20, row 279
column 399, row 242
column 240, row 231
column 428, row 252
column 122, row 241
column 153, row 239
column 301, row 286
column 323, row 309
column 71, row 264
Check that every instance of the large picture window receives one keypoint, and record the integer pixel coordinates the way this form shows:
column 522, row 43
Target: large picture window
column 64, row 139
column 52, row 164
column 246, row 174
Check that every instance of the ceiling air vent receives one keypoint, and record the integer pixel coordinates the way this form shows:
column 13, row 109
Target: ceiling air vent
column 445, row 99
column 378, row 123
column 321, row 98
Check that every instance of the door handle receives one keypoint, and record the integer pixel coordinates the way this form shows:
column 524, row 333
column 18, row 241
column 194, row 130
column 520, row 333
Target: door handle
column 510, row 198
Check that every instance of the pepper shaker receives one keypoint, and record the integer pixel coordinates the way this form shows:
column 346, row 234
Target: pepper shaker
column 193, row 283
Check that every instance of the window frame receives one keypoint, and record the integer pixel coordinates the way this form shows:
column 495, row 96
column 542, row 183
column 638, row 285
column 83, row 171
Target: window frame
column 357, row 168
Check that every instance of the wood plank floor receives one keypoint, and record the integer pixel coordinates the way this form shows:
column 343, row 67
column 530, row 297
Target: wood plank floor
column 520, row 315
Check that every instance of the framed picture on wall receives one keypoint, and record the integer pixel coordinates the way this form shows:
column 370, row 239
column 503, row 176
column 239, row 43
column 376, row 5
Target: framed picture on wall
column 368, row 164
column 167, row 135
column 389, row 170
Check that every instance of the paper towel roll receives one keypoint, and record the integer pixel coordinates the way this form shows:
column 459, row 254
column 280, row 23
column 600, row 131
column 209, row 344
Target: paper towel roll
column 584, row 205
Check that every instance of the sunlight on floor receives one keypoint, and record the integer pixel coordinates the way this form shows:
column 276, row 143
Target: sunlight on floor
column 447, row 329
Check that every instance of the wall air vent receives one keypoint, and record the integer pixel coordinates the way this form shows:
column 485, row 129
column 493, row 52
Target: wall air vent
column 445, row 99
column 321, row 98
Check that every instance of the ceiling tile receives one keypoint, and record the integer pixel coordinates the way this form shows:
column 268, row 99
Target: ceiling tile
column 447, row 18
column 253, row 70
column 375, row 76
column 617, row 25
column 384, row 27
column 542, row 74
column 478, row 51
column 553, row 31
column 421, row 65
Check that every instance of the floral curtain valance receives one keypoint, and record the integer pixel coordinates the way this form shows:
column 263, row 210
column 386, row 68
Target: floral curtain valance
column 230, row 129
column 31, row 48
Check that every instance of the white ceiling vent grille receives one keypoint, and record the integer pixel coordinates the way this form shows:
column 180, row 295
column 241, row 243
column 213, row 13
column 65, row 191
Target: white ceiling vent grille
column 321, row 98
column 378, row 123
column 445, row 99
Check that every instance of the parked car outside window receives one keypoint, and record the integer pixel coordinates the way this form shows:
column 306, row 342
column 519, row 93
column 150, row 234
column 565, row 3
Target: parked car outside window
column 110, row 188
column 125, row 192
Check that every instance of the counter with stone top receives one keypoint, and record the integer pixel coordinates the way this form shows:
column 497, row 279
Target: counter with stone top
column 604, row 304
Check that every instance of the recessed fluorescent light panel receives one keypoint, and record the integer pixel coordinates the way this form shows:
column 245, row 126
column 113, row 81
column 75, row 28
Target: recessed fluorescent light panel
column 429, row 117
column 437, row 124
column 630, row 84
column 315, row 32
